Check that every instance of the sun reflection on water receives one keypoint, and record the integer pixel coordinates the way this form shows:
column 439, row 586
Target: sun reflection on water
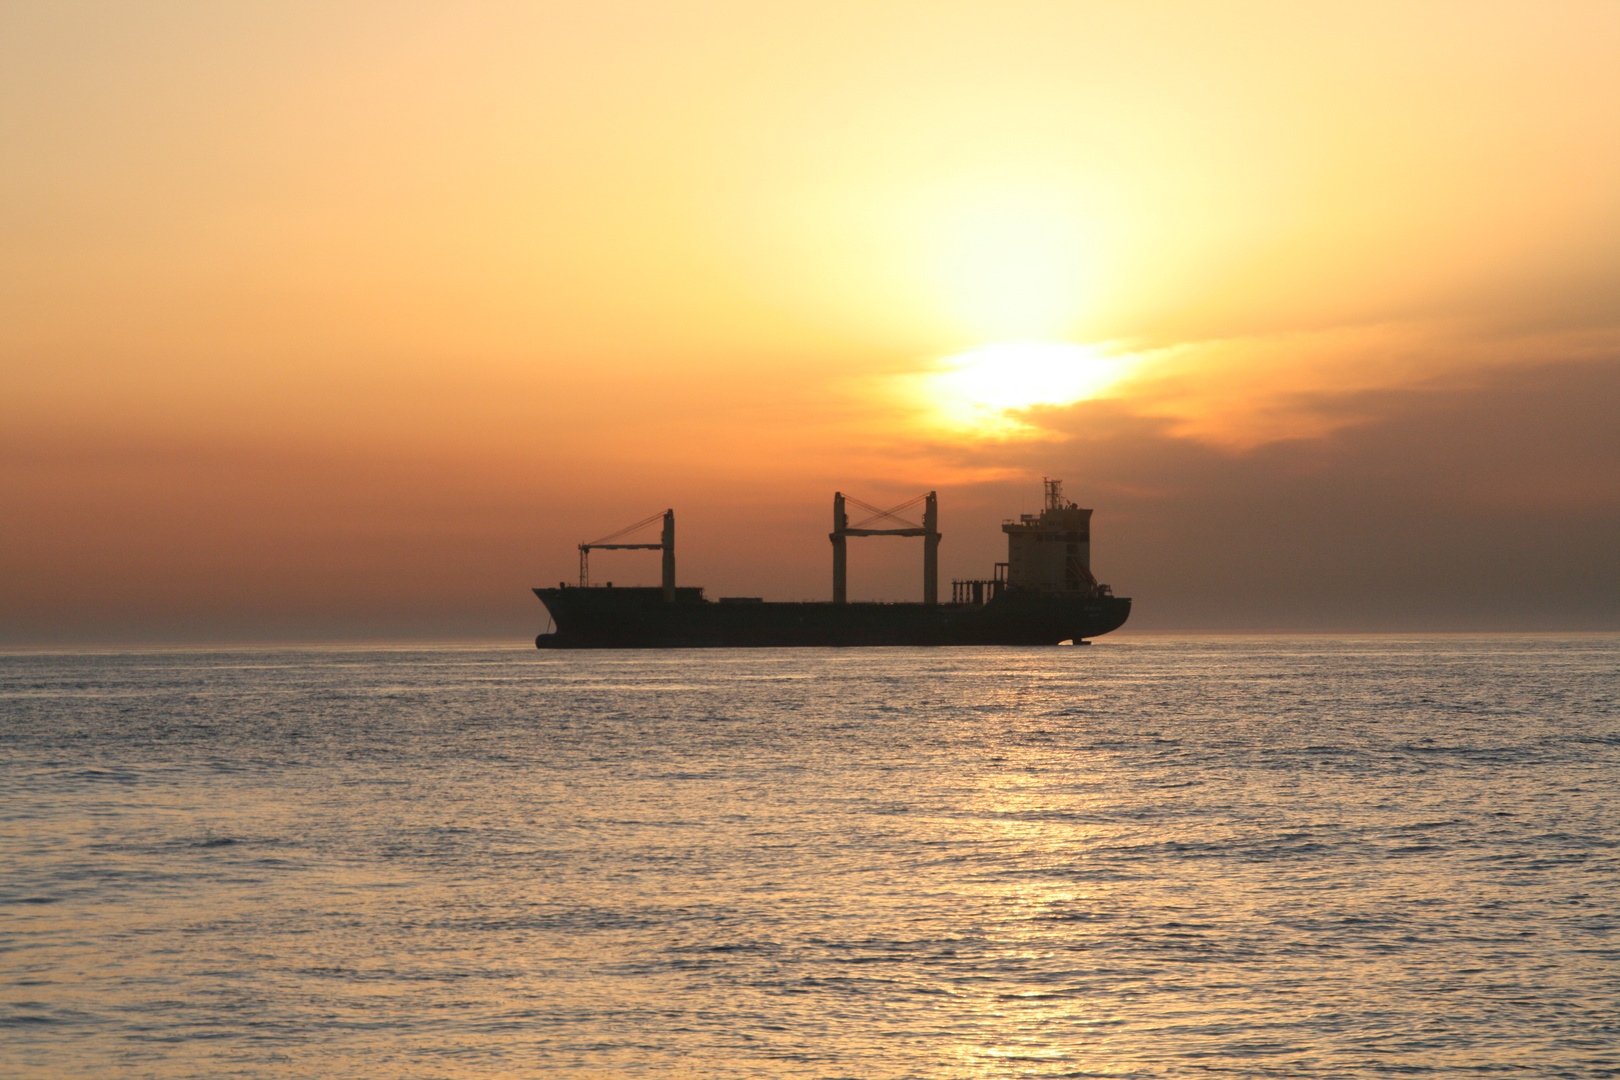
column 1020, row 820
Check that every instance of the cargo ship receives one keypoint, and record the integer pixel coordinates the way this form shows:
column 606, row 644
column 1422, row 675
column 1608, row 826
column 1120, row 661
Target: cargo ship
column 1044, row 594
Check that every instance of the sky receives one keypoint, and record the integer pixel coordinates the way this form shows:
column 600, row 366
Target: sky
column 334, row 321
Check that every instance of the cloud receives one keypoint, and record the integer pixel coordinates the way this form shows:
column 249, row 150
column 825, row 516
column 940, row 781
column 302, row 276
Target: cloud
column 1248, row 391
column 1485, row 502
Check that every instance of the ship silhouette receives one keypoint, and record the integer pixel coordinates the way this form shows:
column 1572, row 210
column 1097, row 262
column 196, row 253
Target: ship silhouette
column 1044, row 594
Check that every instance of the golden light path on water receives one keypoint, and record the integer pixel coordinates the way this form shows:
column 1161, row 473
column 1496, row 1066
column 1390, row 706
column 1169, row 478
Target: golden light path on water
column 1016, row 1031
column 983, row 390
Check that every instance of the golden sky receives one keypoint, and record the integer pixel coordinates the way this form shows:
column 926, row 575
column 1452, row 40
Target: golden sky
column 345, row 318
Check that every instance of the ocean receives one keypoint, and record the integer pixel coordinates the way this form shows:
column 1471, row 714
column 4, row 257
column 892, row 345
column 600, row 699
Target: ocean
column 1151, row 857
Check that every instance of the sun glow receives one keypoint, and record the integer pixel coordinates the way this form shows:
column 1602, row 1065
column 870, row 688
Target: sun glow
column 1010, row 261
column 983, row 390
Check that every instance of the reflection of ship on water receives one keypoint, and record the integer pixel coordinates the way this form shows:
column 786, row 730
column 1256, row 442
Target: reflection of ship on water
column 1043, row 594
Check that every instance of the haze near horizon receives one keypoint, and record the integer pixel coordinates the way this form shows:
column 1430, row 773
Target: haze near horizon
column 349, row 321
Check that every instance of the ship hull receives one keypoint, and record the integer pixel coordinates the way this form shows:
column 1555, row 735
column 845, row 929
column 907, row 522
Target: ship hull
column 637, row 618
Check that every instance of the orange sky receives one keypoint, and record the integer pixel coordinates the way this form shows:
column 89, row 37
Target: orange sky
column 325, row 320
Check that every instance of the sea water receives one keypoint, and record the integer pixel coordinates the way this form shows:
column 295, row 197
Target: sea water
column 1152, row 857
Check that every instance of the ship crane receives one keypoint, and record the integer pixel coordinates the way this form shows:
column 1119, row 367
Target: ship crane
column 666, row 544
column 928, row 530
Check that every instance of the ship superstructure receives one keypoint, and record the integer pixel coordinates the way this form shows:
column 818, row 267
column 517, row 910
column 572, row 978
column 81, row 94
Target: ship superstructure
column 1051, row 552
column 1043, row 594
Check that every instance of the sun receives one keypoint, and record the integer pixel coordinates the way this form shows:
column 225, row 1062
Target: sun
column 983, row 391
